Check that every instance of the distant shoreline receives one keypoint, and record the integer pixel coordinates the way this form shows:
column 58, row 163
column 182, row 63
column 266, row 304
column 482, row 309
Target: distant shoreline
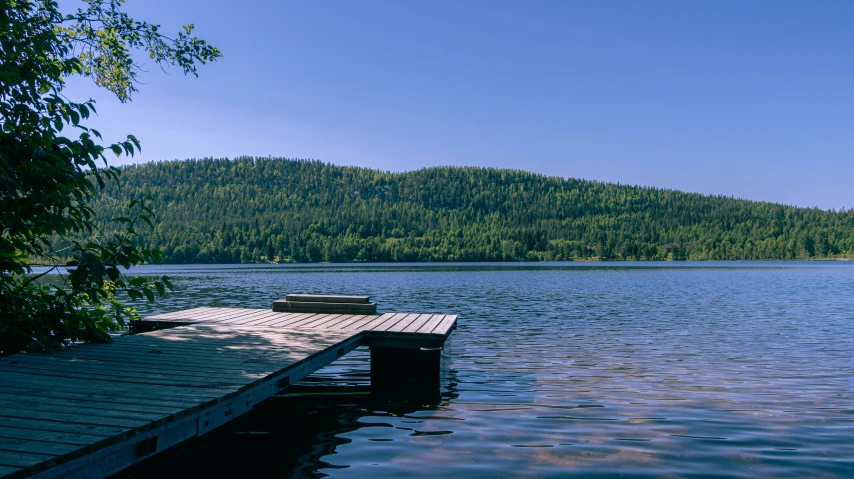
column 545, row 264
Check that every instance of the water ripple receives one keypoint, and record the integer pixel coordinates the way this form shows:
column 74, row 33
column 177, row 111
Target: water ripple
column 556, row 370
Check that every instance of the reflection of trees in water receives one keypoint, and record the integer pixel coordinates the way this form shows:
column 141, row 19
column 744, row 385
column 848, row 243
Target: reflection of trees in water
column 290, row 434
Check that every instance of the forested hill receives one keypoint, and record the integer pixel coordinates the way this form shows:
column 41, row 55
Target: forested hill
column 254, row 210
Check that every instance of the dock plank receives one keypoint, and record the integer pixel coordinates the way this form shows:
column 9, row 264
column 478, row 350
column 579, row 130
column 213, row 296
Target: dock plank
column 226, row 314
column 80, row 416
column 171, row 360
column 203, row 313
column 393, row 321
column 149, row 379
column 309, row 317
column 248, row 317
column 338, row 320
column 421, row 321
column 232, row 368
column 96, row 398
column 42, row 425
column 274, row 317
column 263, row 317
column 351, row 320
column 446, row 325
column 291, row 318
column 185, row 313
column 104, row 372
column 212, row 315
column 37, row 447
column 132, row 365
column 108, row 387
column 22, row 459
column 55, row 437
column 319, row 322
column 92, row 405
column 431, row 324
column 377, row 320
column 198, row 362
column 405, row 322
column 161, row 362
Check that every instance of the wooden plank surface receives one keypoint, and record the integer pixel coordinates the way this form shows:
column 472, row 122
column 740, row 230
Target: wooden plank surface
column 349, row 320
column 109, row 388
column 56, row 426
column 291, row 318
column 57, row 410
column 431, row 324
column 127, row 364
column 375, row 322
column 22, row 459
column 53, row 437
column 445, row 325
column 50, row 448
column 250, row 317
column 417, row 324
column 207, row 314
column 63, row 405
column 409, row 323
column 405, row 322
column 391, row 321
column 94, row 398
column 185, row 313
column 320, row 320
column 389, row 330
column 60, row 411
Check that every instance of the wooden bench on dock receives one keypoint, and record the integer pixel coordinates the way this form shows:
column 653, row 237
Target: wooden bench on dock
column 93, row 410
column 325, row 303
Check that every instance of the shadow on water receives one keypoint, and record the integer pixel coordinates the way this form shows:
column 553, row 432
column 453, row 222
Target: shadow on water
column 292, row 433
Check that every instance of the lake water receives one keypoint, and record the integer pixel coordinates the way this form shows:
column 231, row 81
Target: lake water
column 558, row 370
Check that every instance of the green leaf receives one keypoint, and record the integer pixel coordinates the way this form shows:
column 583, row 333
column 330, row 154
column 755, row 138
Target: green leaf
column 51, row 184
column 113, row 274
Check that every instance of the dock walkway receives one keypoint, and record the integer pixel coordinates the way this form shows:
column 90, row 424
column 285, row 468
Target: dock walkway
column 93, row 410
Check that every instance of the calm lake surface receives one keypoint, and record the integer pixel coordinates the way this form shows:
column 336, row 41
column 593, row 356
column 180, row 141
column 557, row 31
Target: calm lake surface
column 558, row 370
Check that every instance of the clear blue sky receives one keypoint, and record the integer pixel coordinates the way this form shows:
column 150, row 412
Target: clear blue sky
column 751, row 99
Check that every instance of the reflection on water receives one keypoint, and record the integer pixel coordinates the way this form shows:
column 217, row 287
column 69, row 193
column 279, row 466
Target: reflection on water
column 711, row 370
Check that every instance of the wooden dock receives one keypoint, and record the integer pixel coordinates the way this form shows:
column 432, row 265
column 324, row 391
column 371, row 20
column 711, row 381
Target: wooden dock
column 93, row 410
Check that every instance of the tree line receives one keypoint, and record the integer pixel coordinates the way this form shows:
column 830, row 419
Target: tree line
column 249, row 210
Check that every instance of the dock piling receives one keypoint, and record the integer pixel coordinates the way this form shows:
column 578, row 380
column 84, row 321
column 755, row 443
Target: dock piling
column 399, row 370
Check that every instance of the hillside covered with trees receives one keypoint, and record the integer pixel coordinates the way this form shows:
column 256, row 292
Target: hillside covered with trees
column 279, row 210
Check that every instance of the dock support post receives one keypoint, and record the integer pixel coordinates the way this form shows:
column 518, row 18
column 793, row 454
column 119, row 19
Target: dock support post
column 401, row 371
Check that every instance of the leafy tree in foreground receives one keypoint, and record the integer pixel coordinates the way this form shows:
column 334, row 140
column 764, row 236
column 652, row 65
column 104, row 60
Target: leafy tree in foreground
column 52, row 167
